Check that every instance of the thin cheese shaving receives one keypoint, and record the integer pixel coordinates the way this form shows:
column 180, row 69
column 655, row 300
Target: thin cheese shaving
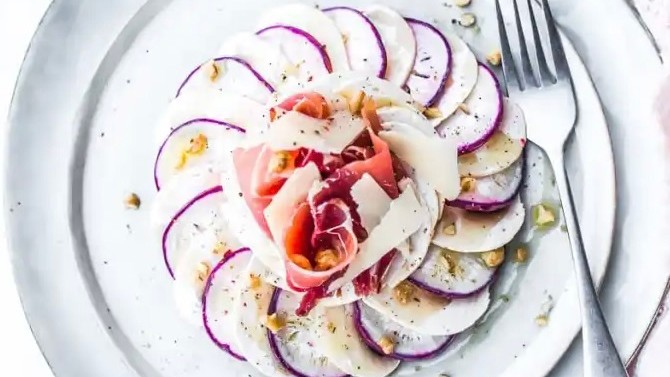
column 371, row 199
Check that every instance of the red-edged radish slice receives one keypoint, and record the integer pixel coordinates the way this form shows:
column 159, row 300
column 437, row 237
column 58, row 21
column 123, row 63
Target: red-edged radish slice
column 230, row 74
column 428, row 314
column 202, row 142
column 493, row 192
column 219, row 300
column 306, row 58
column 362, row 41
column 314, row 22
column 477, row 232
column 398, row 40
column 199, row 214
column 453, row 275
column 432, row 65
column 479, row 116
column 461, row 81
column 502, row 150
column 408, row 345
column 344, row 348
column 295, row 345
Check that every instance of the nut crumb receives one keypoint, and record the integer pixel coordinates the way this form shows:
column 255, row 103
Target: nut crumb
column 331, row 327
column 432, row 113
column 386, row 344
column 543, row 215
column 133, row 201
column 403, row 292
column 254, row 281
column 211, row 69
column 494, row 258
column 462, row 3
column 521, row 255
column 281, row 161
column 202, row 271
column 275, row 322
column 356, row 102
column 494, row 58
column 220, row 248
column 467, row 19
column 449, row 230
column 542, row 320
column 468, row 184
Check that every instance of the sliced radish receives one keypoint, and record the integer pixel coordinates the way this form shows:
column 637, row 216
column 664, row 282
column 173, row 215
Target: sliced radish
column 199, row 214
column 362, row 41
column 218, row 299
column 398, row 40
column 475, row 232
column 452, row 275
column 408, row 345
column 493, row 192
column 340, row 343
column 479, row 116
column 230, row 74
column 295, row 345
column 314, row 22
column 432, row 65
column 428, row 314
column 306, row 57
column 212, row 139
column 502, row 150
column 461, row 81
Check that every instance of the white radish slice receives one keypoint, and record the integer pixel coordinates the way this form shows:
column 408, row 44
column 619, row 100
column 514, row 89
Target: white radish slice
column 314, row 22
column 477, row 232
column 259, row 269
column 201, row 213
column 219, row 300
column 408, row 345
column 306, row 57
column 252, row 305
column 502, row 150
column 482, row 111
column 398, row 40
column 345, row 348
column 428, row 314
column 295, row 345
column 493, row 192
column 463, row 76
column 452, row 275
column 362, row 41
column 432, row 64
column 231, row 74
column 219, row 137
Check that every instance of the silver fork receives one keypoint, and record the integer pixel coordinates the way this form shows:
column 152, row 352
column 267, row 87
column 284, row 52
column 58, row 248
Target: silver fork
column 548, row 101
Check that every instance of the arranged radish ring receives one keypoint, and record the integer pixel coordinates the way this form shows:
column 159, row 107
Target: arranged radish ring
column 221, row 290
column 403, row 344
column 432, row 64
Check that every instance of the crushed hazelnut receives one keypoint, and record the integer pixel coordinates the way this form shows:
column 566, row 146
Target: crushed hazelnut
column 464, row 108
column 462, row 3
column 494, row 57
column 325, row 260
column 133, row 201
column 301, row 261
column 468, row 184
column 331, row 327
column 291, row 70
column 449, row 230
column 254, row 281
column 494, row 258
column 432, row 113
column 220, row 248
column 467, row 19
column 197, row 145
column 356, row 102
column 449, row 261
column 521, row 255
column 386, row 344
column 281, row 161
column 275, row 322
column 542, row 320
column 202, row 271
column 212, row 70
column 403, row 292
column 543, row 215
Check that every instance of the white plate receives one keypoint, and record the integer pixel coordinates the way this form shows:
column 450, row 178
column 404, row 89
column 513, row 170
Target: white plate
column 94, row 83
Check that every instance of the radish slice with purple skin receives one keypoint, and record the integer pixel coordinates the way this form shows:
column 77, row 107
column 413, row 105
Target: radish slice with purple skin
column 218, row 299
column 306, row 57
column 362, row 41
column 493, row 192
column 477, row 232
column 408, row 345
column 199, row 214
column 452, row 275
column 502, row 150
column 432, row 64
column 398, row 39
column 199, row 142
column 479, row 116
column 295, row 345
column 230, row 74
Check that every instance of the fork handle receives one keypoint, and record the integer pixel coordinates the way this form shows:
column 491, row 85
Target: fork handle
column 600, row 355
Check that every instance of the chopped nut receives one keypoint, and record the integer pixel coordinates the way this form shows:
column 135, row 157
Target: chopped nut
column 449, row 260
column 432, row 113
column 403, row 292
column 464, row 108
column 326, row 259
column 462, row 3
column 331, row 327
column 521, row 255
column 197, row 145
column 543, row 215
column 449, row 230
column 356, row 102
column 202, row 271
column 345, row 38
column 280, row 162
column 133, row 201
column 542, row 320
column 301, row 261
column 494, row 258
column 494, row 58
column 275, row 322
column 211, row 69
column 220, row 248
column 386, row 344
column 254, row 281
column 291, row 70
column 467, row 19
column 468, row 184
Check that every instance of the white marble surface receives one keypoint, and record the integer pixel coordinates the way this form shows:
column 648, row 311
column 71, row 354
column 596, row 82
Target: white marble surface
column 21, row 356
